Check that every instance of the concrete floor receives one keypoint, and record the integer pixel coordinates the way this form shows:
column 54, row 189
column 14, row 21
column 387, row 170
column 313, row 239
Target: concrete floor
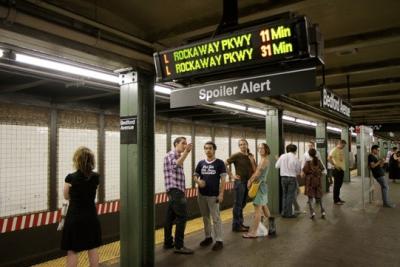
column 349, row 236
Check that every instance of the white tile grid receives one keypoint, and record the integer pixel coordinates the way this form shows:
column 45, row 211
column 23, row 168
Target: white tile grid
column 222, row 149
column 199, row 154
column 160, row 151
column 187, row 164
column 68, row 141
column 23, row 169
column 252, row 146
column 111, row 166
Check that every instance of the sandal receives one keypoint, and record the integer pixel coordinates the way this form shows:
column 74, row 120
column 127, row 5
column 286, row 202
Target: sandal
column 247, row 235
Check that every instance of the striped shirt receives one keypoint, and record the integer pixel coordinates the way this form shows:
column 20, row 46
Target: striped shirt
column 173, row 173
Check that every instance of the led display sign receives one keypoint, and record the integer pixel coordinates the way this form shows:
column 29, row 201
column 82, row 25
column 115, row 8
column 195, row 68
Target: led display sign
column 262, row 44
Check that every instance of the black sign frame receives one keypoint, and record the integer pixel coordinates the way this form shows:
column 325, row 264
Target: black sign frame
column 341, row 103
column 128, row 130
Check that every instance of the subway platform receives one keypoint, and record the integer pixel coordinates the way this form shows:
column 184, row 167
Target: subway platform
column 349, row 236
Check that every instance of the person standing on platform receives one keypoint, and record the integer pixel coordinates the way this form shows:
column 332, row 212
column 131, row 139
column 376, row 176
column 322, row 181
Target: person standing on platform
column 388, row 156
column 245, row 166
column 394, row 165
column 210, row 177
column 175, row 187
column 261, row 200
column 313, row 187
column 376, row 166
column 289, row 167
column 82, row 229
column 336, row 158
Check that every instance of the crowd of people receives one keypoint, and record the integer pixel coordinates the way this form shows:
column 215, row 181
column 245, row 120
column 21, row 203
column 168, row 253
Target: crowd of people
column 210, row 176
column 81, row 227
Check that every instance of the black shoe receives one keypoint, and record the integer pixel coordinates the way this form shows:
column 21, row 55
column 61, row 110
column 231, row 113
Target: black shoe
column 183, row 250
column 342, row 201
column 245, row 226
column 168, row 246
column 206, row 242
column 240, row 229
column 217, row 246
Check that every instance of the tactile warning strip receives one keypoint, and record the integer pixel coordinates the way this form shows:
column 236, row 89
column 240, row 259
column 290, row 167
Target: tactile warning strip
column 111, row 251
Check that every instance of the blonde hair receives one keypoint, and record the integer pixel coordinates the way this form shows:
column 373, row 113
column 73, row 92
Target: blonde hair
column 84, row 160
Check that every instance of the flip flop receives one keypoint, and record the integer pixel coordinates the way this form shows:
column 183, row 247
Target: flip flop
column 248, row 236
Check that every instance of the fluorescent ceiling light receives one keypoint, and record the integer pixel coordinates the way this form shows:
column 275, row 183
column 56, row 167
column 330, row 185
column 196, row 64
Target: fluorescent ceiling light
column 49, row 64
column 288, row 118
column 301, row 121
column 334, row 129
column 162, row 90
column 1, row 53
column 257, row 111
column 230, row 105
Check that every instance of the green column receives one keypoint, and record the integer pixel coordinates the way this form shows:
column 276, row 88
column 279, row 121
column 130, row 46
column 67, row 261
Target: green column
column 137, row 170
column 274, row 136
column 321, row 142
column 345, row 136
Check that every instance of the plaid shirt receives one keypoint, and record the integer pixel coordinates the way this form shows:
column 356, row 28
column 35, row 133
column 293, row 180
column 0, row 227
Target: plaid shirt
column 173, row 173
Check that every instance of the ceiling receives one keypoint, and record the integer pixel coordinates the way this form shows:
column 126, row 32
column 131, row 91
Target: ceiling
column 362, row 48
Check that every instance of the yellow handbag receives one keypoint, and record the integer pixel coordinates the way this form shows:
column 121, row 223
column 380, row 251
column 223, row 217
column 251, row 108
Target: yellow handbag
column 254, row 189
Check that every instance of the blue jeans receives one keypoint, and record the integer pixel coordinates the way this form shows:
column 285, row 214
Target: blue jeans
column 385, row 189
column 239, row 203
column 289, row 189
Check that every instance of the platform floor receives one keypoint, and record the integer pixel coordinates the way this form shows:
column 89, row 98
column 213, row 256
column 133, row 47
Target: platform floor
column 349, row 236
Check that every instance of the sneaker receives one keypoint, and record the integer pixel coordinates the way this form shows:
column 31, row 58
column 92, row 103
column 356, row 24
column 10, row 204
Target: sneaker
column 342, row 201
column 323, row 214
column 206, row 242
column 339, row 203
column 312, row 216
column 245, row 226
column 389, row 205
column 183, row 250
column 218, row 246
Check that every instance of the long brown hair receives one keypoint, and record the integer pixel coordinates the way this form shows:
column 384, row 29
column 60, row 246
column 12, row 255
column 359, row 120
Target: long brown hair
column 84, row 160
column 313, row 153
column 266, row 148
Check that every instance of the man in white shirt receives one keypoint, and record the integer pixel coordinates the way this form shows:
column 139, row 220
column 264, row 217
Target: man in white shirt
column 289, row 167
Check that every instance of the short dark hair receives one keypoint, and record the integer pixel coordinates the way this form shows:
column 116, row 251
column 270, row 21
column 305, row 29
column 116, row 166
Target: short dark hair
column 374, row 147
column 394, row 148
column 342, row 142
column 178, row 140
column 291, row 148
column 211, row 143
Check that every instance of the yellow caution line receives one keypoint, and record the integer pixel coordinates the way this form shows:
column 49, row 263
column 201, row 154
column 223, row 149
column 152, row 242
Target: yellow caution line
column 110, row 252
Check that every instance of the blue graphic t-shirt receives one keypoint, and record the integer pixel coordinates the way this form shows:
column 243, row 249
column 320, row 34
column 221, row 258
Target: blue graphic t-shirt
column 211, row 173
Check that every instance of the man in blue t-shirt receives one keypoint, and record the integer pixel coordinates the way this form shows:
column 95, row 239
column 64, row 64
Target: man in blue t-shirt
column 210, row 177
column 376, row 167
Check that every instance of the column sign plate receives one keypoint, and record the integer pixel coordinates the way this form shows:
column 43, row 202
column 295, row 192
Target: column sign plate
column 128, row 130
column 334, row 103
column 245, row 88
column 246, row 48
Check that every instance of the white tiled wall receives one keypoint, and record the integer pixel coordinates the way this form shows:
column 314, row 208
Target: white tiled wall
column 222, row 148
column 112, row 167
column 68, row 141
column 187, row 164
column 23, row 169
column 252, row 146
column 160, row 151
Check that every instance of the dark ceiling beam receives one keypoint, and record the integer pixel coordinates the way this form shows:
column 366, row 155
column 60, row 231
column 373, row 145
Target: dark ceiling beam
column 168, row 109
column 391, row 104
column 19, row 87
column 199, row 115
column 378, row 96
column 87, row 97
column 366, row 39
column 362, row 68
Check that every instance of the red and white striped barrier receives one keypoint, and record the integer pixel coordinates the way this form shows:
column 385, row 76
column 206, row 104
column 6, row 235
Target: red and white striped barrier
column 33, row 220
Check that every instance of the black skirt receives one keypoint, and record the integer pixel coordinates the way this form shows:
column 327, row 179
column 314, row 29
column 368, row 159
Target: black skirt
column 81, row 233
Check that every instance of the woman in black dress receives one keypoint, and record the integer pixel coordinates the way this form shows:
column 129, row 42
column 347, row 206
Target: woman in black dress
column 394, row 166
column 82, row 227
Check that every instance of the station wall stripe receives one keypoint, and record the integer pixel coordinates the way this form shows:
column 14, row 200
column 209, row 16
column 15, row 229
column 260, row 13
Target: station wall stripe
column 27, row 221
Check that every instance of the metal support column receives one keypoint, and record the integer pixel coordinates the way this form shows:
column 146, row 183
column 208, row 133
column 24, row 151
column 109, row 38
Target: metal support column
column 101, row 162
column 53, row 198
column 345, row 136
column 137, row 169
column 274, row 137
column 321, row 143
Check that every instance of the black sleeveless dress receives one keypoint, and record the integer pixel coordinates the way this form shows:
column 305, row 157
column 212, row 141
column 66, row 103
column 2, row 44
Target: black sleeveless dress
column 82, row 227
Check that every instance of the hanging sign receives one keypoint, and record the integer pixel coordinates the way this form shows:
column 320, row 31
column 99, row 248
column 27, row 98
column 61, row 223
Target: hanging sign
column 245, row 88
column 334, row 103
column 251, row 47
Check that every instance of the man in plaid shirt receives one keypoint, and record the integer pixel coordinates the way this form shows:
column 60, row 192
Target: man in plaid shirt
column 175, row 187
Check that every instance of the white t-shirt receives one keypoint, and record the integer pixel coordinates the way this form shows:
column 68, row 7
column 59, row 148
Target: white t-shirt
column 289, row 165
